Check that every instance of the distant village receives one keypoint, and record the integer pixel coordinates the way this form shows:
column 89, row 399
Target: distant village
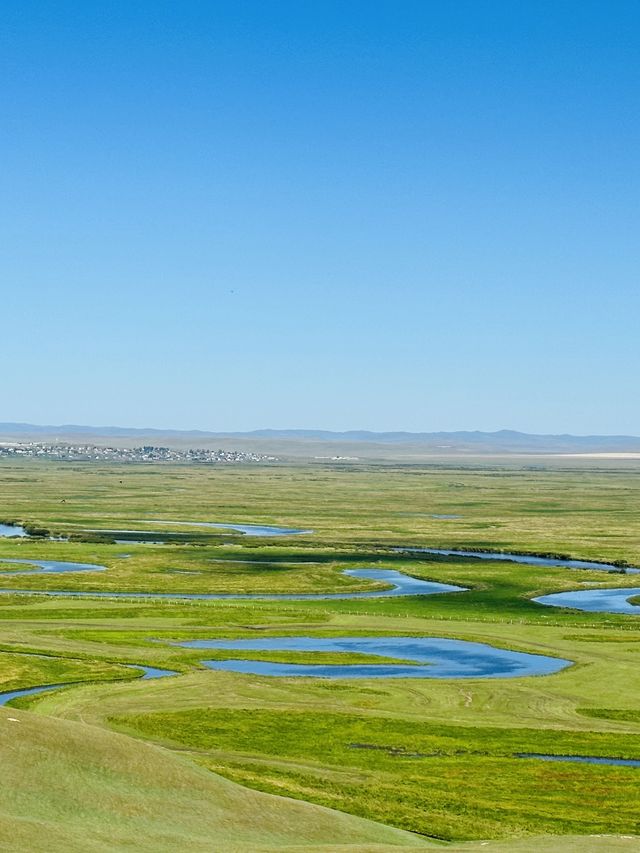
column 146, row 453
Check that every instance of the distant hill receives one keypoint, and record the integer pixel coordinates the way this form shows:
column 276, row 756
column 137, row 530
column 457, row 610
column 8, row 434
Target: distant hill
column 308, row 442
column 501, row 439
column 15, row 429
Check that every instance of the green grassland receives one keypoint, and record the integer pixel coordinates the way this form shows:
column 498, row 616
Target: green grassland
column 358, row 764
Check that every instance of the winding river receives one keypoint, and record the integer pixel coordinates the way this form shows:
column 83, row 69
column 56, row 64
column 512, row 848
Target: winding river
column 428, row 657
column 614, row 600
column 400, row 585
column 526, row 559
column 147, row 673
column 246, row 529
column 49, row 567
column 423, row 657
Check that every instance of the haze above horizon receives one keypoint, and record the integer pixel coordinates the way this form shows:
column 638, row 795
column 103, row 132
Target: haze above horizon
column 406, row 216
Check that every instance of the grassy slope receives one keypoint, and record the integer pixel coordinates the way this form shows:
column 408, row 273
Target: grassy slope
column 71, row 787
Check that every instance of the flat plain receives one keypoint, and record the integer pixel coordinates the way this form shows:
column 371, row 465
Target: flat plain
column 194, row 759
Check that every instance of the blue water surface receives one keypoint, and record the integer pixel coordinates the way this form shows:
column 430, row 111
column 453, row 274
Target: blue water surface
column 400, row 585
column 12, row 530
column 595, row 600
column 247, row 529
column 582, row 759
column 50, row 567
column 527, row 559
column 147, row 673
column 434, row 657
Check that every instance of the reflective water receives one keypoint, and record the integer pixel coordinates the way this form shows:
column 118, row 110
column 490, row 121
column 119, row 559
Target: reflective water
column 401, row 585
column 595, row 600
column 582, row 759
column 444, row 658
column 115, row 534
column 29, row 691
column 147, row 672
column 12, row 530
column 51, row 567
column 247, row 529
column 526, row 559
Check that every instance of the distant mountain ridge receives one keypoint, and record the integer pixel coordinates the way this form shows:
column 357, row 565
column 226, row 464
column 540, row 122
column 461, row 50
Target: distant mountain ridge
column 510, row 441
column 466, row 436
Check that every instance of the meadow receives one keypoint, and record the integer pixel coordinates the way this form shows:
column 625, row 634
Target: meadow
column 371, row 764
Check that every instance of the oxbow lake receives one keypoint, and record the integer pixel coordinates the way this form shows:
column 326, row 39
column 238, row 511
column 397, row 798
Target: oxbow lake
column 430, row 657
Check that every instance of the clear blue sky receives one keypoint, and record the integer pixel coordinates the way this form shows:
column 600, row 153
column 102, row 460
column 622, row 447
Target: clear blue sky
column 377, row 214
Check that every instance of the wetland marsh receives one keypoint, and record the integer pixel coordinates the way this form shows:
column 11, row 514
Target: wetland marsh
column 416, row 754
